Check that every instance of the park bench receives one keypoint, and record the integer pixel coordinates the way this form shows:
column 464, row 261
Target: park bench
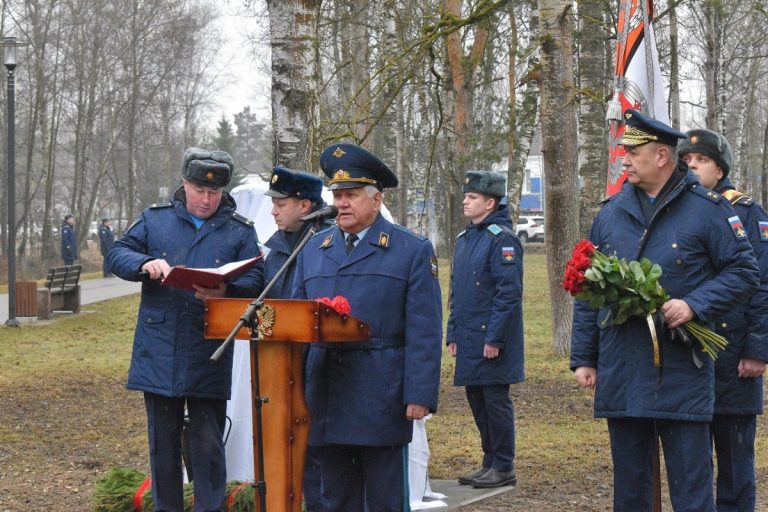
column 61, row 292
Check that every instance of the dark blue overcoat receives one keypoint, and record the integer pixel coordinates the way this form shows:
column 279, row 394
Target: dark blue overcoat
column 746, row 324
column 170, row 356
column 68, row 242
column 357, row 393
column 705, row 262
column 106, row 239
column 486, row 303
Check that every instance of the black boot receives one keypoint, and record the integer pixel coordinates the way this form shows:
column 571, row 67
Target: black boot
column 470, row 478
column 495, row 478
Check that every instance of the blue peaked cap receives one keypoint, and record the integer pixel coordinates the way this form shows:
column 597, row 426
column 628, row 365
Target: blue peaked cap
column 350, row 166
column 641, row 129
column 286, row 182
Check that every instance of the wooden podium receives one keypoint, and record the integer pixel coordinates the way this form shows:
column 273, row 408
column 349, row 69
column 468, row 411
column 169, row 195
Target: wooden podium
column 276, row 349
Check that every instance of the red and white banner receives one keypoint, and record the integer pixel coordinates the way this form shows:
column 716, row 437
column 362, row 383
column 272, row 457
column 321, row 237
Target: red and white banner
column 637, row 80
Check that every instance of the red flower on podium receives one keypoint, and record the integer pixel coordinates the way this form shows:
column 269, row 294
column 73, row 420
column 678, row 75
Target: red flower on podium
column 339, row 304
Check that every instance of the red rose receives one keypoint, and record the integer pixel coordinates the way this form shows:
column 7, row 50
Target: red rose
column 584, row 247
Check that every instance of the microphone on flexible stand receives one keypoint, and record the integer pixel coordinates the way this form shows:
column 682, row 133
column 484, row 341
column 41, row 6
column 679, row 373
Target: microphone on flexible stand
column 321, row 215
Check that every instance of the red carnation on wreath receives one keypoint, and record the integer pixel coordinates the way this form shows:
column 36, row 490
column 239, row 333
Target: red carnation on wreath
column 339, row 304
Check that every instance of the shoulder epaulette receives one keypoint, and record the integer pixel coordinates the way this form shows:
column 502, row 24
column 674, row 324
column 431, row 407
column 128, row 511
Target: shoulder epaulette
column 735, row 197
column 160, row 205
column 242, row 218
column 495, row 229
column 704, row 192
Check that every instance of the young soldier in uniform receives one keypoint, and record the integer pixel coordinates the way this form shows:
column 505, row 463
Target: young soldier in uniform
column 363, row 397
column 294, row 194
column 739, row 369
column 485, row 327
column 171, row 359
column 664, row 214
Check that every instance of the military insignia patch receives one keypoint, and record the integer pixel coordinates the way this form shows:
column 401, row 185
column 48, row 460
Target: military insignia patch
column 339, row 153
column 327, row 242
column 210, row 175
column 737, row 227
column 433, row 266
column 383, row 239
column 274, row 178
column 694, row 140
column 763, row 230
column 507, row 254
column 495, row 229
column 341, row 174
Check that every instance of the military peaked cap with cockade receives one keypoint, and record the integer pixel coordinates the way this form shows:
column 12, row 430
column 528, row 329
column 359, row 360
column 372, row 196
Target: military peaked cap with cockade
column 350, row 166
column 286, row 182
column 207, row 168
column 640, row 129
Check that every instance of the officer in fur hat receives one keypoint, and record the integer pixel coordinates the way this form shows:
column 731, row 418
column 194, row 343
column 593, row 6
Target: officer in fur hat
column 645, row 384
column 363, row 397
column 739, row 369
column 485, row 327
column 171, row 359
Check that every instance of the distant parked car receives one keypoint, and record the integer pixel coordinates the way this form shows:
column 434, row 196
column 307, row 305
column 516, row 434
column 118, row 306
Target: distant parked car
column 530, row 229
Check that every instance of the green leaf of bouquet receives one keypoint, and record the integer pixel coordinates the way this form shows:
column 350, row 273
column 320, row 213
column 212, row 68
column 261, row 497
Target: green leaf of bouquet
column 593, row 274
column 597, row 302
column 655, row 272
column 637, row 271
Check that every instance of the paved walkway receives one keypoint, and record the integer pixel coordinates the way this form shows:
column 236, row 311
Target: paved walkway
column 91, row 290
column 97, row 290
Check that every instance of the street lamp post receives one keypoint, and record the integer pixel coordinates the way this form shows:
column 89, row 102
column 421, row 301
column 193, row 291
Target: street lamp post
column 9, row 60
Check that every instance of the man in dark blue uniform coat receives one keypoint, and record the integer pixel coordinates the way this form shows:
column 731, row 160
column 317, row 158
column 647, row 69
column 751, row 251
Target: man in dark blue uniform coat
column 739, row 369
column 363, row 397
column 68, row 240
column 485, row 328
column 294, row 194
column 662, row 213
column 171, row 359
column 106, row 241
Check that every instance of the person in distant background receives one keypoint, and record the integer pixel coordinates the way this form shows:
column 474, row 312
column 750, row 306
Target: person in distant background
column 68, row 240
column 106, row 240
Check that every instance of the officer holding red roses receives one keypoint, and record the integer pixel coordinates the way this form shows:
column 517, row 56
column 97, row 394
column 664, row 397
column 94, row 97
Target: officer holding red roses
column 662, row 213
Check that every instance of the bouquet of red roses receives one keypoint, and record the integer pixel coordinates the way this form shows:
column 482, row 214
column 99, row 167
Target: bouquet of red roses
column 339, row 303
column 628, row 289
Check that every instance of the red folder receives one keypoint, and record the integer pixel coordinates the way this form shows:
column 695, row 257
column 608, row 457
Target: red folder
column 184, row 277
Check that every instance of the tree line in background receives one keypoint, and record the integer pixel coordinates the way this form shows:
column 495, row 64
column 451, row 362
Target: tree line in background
column 110, row 93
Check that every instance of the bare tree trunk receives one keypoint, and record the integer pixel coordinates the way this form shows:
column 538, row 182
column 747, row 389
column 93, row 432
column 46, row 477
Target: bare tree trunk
column 711, row 63
column 674, row 67
column 293, row 36
column 593, row 135
column 558, row 126
column 462, row 68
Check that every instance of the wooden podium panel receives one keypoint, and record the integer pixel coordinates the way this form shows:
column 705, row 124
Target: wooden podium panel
column 285, row 325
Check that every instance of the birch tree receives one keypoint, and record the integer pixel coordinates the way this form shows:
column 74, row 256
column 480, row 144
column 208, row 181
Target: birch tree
column 558, row 128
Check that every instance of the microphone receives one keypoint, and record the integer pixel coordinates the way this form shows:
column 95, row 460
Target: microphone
column 321, row 215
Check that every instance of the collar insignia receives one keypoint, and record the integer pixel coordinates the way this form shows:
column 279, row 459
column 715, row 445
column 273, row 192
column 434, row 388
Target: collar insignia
column 327, row 242
column 383, row 239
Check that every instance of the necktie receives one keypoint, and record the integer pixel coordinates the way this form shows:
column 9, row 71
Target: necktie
column 350, row 245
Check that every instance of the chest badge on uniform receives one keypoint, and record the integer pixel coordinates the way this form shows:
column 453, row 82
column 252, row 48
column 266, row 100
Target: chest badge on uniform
column 737, row 227
column 327, row 242
column 763, row 230
column 507, row 254
column 433, row 266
